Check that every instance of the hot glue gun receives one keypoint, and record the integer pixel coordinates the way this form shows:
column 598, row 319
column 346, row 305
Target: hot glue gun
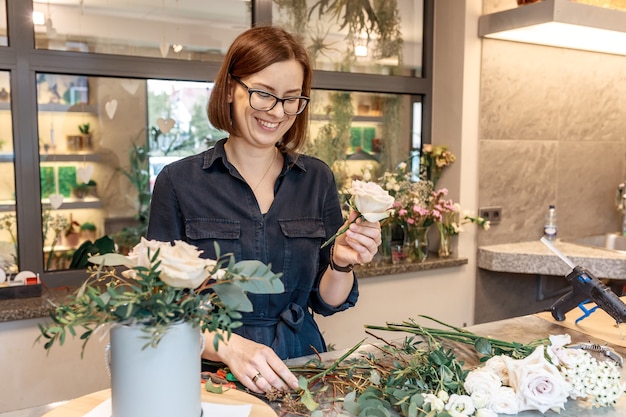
column 585, row 288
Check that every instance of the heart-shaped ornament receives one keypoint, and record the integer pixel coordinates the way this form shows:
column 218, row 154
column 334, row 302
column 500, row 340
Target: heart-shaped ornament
column 110, row 107
column 165, row 125
column 84, row 173
column 165, row 47
column 130, row 85
column 55, row 200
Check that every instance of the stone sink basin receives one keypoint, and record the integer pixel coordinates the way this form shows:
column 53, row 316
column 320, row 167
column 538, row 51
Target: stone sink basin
column 611, row 241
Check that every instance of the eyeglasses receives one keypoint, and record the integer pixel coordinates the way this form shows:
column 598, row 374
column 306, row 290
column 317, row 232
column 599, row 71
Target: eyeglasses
column 265, row 101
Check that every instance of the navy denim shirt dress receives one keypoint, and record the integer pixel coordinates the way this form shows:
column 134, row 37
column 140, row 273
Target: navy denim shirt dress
column 203, row 199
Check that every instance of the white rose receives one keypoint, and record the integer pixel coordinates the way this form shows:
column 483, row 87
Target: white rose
column 461, row 404
column 496, row 365
column 485, row 412
column 538, row 384
column 482, row 382
column 181, row 265
column 436, row 404
column 371, row 200
column 504, row 401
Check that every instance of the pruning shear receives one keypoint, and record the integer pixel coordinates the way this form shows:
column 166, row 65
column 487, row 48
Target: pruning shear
column 602, row 349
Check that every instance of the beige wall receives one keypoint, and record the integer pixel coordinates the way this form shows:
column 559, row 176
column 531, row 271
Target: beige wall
column 32, row 377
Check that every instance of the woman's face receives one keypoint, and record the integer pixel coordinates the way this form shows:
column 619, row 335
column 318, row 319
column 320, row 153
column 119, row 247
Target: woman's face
column 263, row 128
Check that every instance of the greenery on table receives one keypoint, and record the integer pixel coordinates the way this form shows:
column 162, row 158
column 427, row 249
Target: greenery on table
column 396, row 375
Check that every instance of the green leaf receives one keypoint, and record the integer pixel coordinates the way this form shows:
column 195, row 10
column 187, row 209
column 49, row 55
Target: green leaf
column 215, row 389
column 374, row 412
column 308, row 401
column 261, row 278
column 233, row 296
column 482, row 345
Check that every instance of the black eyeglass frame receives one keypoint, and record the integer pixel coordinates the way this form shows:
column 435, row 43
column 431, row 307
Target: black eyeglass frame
column 274, row 96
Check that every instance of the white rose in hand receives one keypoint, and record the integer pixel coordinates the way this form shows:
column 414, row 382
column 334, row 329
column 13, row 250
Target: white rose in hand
column 539, row 384
column 180, row 264
column 370, row 201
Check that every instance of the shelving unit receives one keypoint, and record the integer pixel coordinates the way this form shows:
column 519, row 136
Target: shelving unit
column 69, row 157
column 73, row 204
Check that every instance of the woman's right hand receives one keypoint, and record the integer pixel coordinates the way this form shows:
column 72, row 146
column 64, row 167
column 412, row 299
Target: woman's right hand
column 255, row 365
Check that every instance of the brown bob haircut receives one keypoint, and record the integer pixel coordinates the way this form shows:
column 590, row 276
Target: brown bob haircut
column 252, row 51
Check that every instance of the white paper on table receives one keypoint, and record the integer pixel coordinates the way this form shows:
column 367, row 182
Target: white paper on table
column 209, row 409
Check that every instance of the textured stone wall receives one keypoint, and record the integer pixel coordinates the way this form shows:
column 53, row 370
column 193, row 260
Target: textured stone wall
column 552, row 131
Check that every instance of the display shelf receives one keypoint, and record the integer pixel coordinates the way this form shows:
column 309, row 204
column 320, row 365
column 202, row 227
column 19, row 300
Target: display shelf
column 5, row 105
column 75, row 204
column 7, row 205
column 69, row 157
column 6, row 157
column 68, row 204
column 324, row 117
column 76, row 108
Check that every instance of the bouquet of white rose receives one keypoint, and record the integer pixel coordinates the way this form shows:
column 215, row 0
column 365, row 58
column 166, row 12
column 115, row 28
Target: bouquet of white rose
column 165, row 284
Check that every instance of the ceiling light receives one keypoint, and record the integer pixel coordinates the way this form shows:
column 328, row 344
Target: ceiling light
column 38, row 18
column 560, row 23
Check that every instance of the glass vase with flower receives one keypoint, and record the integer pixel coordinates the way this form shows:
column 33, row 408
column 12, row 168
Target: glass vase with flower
column 451, row 224
column 416, row 212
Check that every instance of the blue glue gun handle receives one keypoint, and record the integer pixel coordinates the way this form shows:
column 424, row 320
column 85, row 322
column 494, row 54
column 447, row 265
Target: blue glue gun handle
column 587, row 287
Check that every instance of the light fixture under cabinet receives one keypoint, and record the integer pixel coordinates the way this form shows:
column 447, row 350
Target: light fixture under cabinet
column 560, row 23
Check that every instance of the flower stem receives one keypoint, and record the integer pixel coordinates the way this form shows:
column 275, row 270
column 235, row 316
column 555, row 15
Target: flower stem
column 341, row 231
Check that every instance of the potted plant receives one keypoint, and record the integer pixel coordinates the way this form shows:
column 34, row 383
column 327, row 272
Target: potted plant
column 81, row 190
column 85, row 137
column 156, row 312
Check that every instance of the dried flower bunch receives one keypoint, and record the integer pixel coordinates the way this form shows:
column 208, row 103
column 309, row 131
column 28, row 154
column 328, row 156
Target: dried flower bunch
column 433, row 160
column 165, row 284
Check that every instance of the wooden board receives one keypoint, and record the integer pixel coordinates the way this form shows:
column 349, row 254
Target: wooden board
column 82, row 405
column 599, row 324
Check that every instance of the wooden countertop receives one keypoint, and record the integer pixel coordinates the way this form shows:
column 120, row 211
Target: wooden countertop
column 522, row 329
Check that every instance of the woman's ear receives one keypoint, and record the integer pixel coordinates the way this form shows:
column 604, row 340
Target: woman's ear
column 231, row 90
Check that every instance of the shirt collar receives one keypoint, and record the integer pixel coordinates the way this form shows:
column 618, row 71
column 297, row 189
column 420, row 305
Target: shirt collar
column 291, row 158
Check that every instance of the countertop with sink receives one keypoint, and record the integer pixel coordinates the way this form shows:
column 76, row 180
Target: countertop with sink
column 533, row 257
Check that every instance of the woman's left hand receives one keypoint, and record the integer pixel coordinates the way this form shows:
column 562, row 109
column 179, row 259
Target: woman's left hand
column 359, row 244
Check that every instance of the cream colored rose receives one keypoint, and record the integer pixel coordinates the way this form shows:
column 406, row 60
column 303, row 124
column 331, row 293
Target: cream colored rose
column 371, row 200
column 482, row 382
column 504, row 401
column 497, row 365
column 485, row 412
column 539, row 384
column 180, row 264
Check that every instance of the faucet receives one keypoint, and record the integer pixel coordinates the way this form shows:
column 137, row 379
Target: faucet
column 620, row 201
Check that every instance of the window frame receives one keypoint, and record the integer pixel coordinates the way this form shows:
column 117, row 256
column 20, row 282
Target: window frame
column 23, row 61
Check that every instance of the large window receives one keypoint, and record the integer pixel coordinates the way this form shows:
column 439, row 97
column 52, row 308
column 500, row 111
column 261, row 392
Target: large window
column 382, row 37
column 177, row 29
column 4, row 40
column 102, row 107
column 8, row 219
